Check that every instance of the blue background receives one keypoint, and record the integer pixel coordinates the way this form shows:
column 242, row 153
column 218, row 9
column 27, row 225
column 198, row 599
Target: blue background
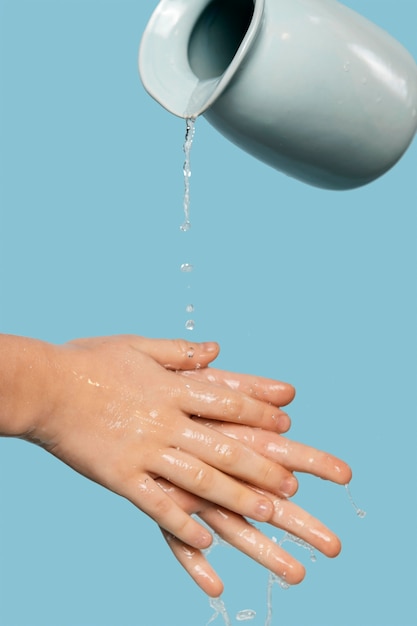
column 310, row 286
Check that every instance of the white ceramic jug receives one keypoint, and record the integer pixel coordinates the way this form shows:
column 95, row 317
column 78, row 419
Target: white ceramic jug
column 308, row 86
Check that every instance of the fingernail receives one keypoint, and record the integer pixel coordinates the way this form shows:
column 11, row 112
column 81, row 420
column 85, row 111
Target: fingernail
column 209, row 347
column 283, row 422
column 289, row 486
column 203, row 541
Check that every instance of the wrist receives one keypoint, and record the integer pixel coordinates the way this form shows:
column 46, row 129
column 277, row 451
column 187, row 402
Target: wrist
column 26, row 367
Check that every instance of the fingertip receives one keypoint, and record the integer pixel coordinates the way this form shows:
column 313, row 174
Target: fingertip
column 349, row 473
column 294, row 572
column 291, row 392
column 343, row 473
column 282, row 421
column 181, row 354
column 298, row 575
column 199, row 355
column 211, row 348
column 202, row 540
column 289, row 486
column 214, row 588
column 335, row 548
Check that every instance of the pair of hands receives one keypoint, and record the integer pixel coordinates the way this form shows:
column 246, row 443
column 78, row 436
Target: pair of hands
column 149, row 420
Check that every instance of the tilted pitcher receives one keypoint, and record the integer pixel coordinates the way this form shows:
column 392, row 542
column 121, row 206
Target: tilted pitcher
column 308, row 86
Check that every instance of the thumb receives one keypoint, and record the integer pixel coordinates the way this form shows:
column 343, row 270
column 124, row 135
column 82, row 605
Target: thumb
column 179, row 354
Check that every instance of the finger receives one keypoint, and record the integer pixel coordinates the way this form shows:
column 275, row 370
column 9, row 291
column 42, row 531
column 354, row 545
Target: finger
column 175, row 354
column 294, row 456
column 266, row 389
column 148, row 496
column 178, row 354
column 218, row 451
column 196, row 565
column 237, row 532
column 219, row 403
column 291, row 518
column 197, row 477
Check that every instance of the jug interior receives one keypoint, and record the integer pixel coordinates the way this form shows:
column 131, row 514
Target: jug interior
column 217, row 35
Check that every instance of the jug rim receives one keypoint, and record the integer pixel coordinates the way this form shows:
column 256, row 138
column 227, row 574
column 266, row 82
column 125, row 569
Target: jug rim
column 164, row 66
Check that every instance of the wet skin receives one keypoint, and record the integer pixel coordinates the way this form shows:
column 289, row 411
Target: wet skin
column 149, row 420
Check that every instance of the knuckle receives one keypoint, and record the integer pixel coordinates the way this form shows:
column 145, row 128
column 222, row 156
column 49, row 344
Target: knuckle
column 162, row 507
column 203, row 480
column 182, row 347
column 232, row 406
column 230, row 454
column 269, row 473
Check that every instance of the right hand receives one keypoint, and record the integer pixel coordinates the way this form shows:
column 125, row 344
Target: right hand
column 236, row 531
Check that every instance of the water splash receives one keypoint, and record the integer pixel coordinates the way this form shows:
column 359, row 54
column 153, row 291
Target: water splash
column 273, row 579
column 217, row 541
column 299, row 542
column 218, row 606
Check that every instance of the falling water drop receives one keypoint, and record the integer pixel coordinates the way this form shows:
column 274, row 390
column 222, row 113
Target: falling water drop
column 185, row 226
column 245, row 615
column 186, row 267
column 190, row 308
column 190, row 324
column 359, row 512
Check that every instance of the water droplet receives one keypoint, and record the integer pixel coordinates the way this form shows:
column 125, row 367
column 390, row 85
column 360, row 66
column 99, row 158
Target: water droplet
column 346, row 66
column 186, row 267
column 185, row 226
column 190, row 324
column 190, row 353
column 283, row 584
column 189, row 308
column 245, row 615
column 359, row 512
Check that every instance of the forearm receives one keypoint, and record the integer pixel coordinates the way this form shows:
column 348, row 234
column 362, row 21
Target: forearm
column 25, row 393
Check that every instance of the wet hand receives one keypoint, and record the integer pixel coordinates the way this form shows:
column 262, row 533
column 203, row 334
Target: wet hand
column 119, row 413
column 242, row 535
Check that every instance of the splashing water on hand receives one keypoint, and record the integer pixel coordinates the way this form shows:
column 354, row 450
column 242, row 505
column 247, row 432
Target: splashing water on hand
column 248, row 614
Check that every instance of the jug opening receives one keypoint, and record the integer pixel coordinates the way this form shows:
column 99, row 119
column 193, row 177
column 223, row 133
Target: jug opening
column 217, row 35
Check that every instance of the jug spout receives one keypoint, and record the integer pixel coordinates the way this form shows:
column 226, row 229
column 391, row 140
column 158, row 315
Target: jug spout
column 310, row 87
column 185, row 60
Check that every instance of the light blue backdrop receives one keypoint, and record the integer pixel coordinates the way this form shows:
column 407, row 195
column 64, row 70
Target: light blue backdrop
column 314, row 287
